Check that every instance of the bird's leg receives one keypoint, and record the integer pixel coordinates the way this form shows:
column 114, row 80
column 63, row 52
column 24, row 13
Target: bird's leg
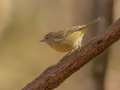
column 76, row 46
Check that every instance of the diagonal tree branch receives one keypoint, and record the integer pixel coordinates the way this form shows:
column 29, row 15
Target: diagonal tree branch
column 70, row 63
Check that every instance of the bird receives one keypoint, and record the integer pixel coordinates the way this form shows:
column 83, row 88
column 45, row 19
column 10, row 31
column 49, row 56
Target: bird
column 68, row 39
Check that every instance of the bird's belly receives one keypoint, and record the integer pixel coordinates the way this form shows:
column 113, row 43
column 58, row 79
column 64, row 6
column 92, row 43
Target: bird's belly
column 63, row 47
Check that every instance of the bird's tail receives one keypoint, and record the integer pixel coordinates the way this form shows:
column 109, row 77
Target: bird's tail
column 82, row 27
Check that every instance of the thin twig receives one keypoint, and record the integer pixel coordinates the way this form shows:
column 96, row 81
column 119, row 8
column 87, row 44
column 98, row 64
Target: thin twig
column 70, row 63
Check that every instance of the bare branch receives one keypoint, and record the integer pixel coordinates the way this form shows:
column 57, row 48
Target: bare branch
column 70, row 63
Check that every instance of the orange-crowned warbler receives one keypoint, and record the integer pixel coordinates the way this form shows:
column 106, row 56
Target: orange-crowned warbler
column 69, row 39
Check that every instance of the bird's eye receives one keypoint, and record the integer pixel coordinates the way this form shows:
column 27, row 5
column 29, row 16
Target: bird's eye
column 46, row 38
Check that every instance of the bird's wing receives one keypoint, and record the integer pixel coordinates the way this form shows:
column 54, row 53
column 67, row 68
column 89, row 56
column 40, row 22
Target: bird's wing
column 81, row 27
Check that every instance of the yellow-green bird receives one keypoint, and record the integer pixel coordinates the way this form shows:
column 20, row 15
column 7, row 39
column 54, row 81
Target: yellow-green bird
column 69, row 39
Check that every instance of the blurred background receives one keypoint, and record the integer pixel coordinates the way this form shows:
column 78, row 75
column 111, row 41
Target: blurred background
column 22, row 57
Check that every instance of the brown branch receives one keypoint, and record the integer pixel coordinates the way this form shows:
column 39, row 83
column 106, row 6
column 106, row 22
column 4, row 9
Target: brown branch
column 70, row 63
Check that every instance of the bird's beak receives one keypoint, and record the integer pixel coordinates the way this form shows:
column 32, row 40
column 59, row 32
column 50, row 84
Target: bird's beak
column 43, row 40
